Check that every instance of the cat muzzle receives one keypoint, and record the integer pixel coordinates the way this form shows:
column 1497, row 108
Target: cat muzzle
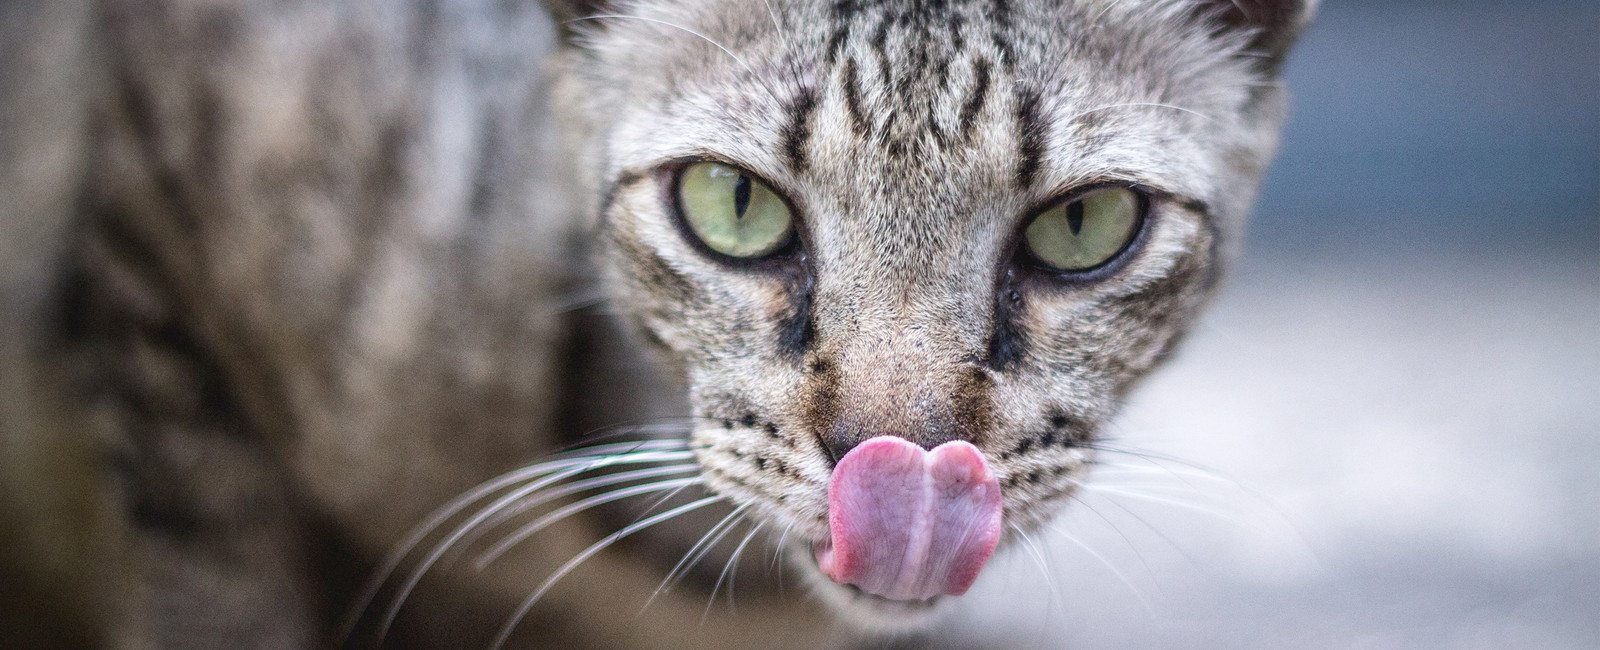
column 908, row 523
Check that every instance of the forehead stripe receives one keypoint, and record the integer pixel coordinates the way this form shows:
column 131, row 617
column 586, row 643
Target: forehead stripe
column 974, row 104
column 852, row 100
column 1030, row 136
column 798, row 131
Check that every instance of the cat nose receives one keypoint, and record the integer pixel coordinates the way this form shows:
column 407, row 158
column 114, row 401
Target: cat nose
column 926, row 432
column 925, row 399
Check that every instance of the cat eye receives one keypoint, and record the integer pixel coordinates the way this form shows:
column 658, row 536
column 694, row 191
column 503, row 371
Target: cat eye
column 1087, row 231
column 733, row 212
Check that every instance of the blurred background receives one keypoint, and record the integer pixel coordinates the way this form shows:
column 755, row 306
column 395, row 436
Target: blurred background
column 1386, row 434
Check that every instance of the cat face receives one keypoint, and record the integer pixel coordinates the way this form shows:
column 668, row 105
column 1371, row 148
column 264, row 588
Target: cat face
column 975, row 221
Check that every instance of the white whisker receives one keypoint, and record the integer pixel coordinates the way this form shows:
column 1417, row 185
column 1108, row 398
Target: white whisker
column 522, row 611
column 1153, row 488
column 1158, row 533
column 574, row 466
column 656, row 503
column 1199, row 472
column 788, row 45
column 733, row 564
column 1127, row 540
column 1191, row 470
column 569, row 489
column 1112, row 567
column 581, row 300
column 541, row 523
column 420, row 532
column 1097, row 17
column 1183, row 505
column 696, row 552
column 585, row 445
column 1152, row 457
column 777, row 555
column 1110, row 469
column 1137, row 105
column 1043, row 563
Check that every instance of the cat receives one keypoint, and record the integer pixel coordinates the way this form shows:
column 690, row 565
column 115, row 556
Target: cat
column 704, row 283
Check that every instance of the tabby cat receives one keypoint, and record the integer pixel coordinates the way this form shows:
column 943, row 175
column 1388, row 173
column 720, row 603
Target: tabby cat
column 704, row 283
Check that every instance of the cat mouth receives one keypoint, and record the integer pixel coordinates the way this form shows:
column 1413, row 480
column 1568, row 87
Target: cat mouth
column 867, row 610
column 908, row 526
column 821, row 552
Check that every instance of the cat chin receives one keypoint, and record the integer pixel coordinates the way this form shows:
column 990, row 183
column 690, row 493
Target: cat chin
column 864, row 611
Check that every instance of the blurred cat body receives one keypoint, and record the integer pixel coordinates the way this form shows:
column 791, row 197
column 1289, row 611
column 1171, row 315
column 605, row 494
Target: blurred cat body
column 287, row 278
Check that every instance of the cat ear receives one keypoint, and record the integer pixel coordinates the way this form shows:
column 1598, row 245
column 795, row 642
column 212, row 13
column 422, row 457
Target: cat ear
column 1273, row 23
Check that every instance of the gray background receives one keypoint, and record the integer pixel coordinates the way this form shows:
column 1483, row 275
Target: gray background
column 1394, row 406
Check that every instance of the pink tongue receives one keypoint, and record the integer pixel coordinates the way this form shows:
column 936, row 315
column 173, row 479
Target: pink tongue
column 910, row 524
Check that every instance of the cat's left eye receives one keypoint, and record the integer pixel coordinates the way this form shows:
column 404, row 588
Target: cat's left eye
column 733, row 212
column 1086, row 232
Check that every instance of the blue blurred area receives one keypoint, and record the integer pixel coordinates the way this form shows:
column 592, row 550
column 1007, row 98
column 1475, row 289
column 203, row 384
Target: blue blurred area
column 1440, row 124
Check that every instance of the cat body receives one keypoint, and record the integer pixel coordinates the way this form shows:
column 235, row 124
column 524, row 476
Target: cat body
column 289, row 277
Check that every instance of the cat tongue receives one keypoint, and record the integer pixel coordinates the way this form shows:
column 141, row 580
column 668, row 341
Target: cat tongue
column 910, row 524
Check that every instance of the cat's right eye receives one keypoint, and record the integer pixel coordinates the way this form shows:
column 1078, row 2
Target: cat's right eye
column 733, row 212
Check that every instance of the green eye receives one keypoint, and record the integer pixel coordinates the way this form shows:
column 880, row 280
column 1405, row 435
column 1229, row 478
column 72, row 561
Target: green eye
column 1086, row 232
column 732, row 212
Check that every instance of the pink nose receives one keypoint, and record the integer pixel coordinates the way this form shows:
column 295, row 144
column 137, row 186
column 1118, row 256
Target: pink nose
column 910, row 524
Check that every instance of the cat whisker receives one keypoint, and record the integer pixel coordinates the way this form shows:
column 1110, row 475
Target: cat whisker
column 1160, row 461
column 580, row 301
column 573, row 466
column 678, row 426
column 1193, row 470
column 777, row 554
column 528, row 495
column 488, row 557
column 1162, row 493
column 1118, row 530
column 1043, row 563
column 776, row 26
column 1152, row 457
column 420, row 532
column 1151, row 488
column 1107, row 107
column 1103, row 11
column 1118, row 469
column 733, row 565
column 1149, row 526
column 1222, row 332
column 522, row 611
column 656, row 503
column 575, row 487
column 788, row 44
column 1133, row 589
column 1187, row 473
column 701, row 547
column 1221, row 515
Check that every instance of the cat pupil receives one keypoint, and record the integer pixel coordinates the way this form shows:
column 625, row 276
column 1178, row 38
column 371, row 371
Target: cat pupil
column 741, row 196
column 1075, row 217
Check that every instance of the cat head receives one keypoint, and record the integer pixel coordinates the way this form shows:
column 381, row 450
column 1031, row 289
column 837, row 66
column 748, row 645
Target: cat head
column 973, row 221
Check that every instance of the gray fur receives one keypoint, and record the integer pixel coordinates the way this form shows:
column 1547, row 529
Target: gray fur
column 291, row 275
